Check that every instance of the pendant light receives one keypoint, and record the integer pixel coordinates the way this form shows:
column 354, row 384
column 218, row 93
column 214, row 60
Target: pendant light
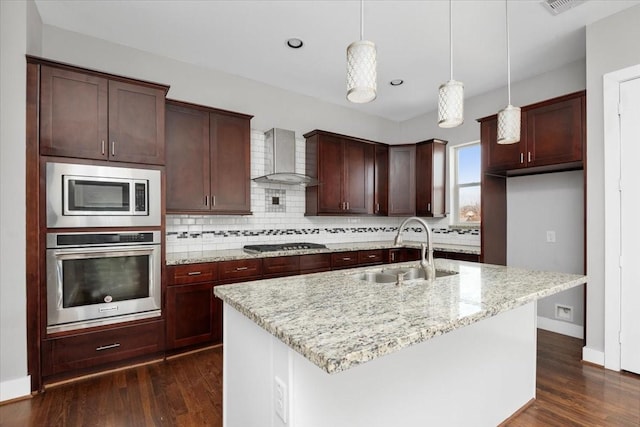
column 509, row 116
column 361, row 67
column 451, row 93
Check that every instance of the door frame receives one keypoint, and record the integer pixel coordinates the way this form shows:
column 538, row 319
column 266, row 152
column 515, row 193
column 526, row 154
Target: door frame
column 612, row 223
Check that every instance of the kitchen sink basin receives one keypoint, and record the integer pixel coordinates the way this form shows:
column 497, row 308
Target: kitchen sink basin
column 374, row 277
column 390, row 275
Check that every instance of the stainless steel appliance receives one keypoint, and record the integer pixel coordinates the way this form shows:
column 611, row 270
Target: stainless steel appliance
column 102, row 278
column 253, row 249
column 102, row 196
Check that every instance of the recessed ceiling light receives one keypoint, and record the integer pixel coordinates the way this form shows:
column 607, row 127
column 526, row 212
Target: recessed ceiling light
column 295, row 43
column 396, row 82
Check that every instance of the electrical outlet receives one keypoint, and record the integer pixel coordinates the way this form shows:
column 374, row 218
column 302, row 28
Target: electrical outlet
column 564, row 312
column 280, row 399
column 551, row 236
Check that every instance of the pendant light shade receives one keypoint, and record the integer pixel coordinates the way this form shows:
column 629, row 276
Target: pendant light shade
column 451, row 93
column 509, row 116
column 361, row 68
column 361, row 72
column 509, row 125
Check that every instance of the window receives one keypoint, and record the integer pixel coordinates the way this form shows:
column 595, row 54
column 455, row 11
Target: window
column 466, row 183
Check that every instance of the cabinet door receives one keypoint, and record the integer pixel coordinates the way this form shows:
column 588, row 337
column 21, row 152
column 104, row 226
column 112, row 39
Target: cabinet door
column 431, row 178
column 358, row 177
column 280, row 266
column 191, row 315
column 187, row 166
column 330, row 175
column 555, row 133
column 86, row 351
column 402, row 180
column 136, row 123
column 500, row 158
column 73, row 114
column 230, row 164
column 381, row 180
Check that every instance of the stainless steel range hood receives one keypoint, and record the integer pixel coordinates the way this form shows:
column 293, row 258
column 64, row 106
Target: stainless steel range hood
column 280, row 160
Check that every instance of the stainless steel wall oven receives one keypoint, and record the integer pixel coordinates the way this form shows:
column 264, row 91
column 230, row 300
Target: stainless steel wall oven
column 102, row 278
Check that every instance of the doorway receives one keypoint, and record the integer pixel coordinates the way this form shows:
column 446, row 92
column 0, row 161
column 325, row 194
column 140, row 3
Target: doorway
column 622, row 283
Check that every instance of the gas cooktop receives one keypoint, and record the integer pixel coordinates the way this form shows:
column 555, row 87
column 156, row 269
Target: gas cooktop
column 254, row 249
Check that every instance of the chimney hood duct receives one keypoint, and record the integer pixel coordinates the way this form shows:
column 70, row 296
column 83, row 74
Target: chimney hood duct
column 280, row 160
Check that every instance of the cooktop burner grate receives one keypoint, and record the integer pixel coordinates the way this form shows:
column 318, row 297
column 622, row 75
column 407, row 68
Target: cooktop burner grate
column 282, row 247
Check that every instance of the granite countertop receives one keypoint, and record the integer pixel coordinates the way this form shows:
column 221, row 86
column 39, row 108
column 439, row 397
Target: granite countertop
column 339, row 322
column 234, row 254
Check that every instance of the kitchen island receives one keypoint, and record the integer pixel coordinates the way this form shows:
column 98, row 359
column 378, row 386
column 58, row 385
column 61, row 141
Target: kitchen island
column 330, row 349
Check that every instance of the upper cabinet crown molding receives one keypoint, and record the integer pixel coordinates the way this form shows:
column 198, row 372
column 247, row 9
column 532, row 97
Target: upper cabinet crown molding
column 91, row 115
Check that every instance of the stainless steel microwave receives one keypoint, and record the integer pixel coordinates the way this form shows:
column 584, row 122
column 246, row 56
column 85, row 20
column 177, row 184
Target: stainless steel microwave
column 102, row 196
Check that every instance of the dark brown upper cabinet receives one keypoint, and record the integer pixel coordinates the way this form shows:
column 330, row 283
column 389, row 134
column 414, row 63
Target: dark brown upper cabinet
column 90, row 115
column 208, row 160
column 344, row 167
column 381, row 180
column 431, row 178
column 402, row 180
column 552, row 138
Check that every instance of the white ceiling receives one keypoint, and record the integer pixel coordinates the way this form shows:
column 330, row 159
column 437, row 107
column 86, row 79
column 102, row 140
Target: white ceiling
column 247, row 38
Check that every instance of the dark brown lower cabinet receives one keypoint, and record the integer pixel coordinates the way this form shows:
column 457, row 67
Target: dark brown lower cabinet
column 193, row 314
column 315, row 263
column 403, row 255
column 458, row 256
column 86, row 351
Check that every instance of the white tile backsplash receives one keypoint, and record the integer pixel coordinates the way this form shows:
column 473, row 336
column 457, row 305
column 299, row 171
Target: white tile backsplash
column 223, row 232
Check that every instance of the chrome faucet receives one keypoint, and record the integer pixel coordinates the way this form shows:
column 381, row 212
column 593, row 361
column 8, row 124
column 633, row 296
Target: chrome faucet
column 426, row 253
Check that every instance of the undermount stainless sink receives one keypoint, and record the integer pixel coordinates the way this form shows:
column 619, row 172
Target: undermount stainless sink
column 390, row 275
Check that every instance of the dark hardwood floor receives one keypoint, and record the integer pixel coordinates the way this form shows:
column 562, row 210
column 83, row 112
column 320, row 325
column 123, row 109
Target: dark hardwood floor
column 187, row 391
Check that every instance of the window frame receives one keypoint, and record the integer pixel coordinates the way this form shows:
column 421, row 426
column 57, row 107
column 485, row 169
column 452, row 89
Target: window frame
column 456, row 186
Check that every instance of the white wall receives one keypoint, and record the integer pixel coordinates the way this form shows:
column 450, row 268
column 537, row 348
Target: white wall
column 611, row 45
column 14, row 38
column 270, row 106
column 550, row 202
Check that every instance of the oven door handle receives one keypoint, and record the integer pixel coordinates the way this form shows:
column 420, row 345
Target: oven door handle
column 99, row 252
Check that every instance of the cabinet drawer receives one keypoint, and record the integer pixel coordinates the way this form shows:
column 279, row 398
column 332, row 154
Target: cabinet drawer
column 192, row 273
column 315, row 263
column 374, row 256
column 280, row 266
column 344, row 259
column 240, row 270
column 77, row 352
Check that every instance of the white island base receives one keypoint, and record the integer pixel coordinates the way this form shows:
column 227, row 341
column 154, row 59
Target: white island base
column 477, row 375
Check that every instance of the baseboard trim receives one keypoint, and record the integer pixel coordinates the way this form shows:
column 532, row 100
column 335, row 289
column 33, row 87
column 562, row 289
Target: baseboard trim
column 592, row 356
column 15, row 389
column 560, row 327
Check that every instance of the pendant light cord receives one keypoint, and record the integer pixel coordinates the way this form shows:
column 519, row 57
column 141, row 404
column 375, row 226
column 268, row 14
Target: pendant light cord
column 506, row 11
column 450, row 41
column 361, row 20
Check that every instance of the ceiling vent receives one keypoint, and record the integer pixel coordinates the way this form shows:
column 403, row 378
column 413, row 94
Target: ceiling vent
column 556, row 7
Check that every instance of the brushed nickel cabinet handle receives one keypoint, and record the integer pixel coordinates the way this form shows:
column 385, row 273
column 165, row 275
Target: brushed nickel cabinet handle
column 206, row 200
column 428, row 207
column 113, row 148
column 346, row 259
column 377, row 207
column 521, row 157
column 372, row 256
column 194, row 273
column 213, row 200
column 102, row 149
column 242, row 268
column 108, row 347
column 529, row 156
column 347, row 205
